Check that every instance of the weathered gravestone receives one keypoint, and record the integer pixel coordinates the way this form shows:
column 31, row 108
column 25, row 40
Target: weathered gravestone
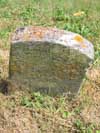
column 49, row 60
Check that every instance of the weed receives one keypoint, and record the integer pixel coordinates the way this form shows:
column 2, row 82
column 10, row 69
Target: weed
column 4, row 33
column 28, row 13
column 97, row 131
column 83, row 128
column 25, row 101
column 3, row 2
column 59, row 14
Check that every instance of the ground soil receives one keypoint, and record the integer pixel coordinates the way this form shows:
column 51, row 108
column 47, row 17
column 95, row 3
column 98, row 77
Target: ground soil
column 15, row 118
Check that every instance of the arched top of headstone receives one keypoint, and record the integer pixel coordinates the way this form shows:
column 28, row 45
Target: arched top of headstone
column 54, row 36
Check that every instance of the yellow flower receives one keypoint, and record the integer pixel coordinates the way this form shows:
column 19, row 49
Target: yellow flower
column 80, row 13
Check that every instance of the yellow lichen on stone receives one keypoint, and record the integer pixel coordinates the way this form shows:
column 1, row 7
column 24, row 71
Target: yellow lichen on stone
column 78, row 38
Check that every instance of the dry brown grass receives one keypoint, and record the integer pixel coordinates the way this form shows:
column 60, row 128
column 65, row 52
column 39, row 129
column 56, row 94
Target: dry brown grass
column 14, row 118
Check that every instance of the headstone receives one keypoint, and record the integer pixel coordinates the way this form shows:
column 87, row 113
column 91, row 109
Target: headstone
column 49, row 60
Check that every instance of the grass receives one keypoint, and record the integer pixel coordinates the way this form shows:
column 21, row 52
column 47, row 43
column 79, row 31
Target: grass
column 60, row 14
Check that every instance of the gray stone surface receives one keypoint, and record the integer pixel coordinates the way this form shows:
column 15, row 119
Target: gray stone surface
column 49, row 60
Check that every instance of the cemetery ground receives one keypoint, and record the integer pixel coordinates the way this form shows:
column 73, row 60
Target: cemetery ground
column 22, row 111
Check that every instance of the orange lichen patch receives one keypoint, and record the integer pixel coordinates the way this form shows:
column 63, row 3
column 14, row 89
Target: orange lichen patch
column 38, row 28
column 38, row 34
column 78, row 38
column 41, row 31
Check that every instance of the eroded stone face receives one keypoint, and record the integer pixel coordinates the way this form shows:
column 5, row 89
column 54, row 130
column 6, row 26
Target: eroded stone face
column 49, row 60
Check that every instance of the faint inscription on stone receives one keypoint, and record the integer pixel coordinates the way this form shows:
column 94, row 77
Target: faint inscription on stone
column 49, row 60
